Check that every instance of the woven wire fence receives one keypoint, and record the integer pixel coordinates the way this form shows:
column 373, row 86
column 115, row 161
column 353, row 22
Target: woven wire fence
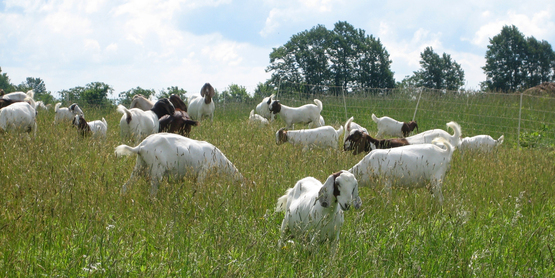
column 517, row 116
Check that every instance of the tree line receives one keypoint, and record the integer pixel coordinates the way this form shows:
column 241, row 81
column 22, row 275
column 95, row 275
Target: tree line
column 346, row 58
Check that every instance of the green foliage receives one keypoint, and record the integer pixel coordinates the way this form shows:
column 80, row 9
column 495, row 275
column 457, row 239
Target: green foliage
column 343, row 57
column 126, row 97
column 5, row 83
column 234, row 93
column 534, row 139
column 173, row 90
column 38, row 86
column 514, row 62
column 264, row 90
column 93, row 94
column 437, row 72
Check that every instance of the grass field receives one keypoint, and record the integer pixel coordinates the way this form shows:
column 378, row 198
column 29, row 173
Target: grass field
column 62, row 214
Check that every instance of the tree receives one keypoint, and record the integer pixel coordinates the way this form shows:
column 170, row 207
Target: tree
column 126, row 97
column 5, row 83
column 514, row 62
column 343, row 57
column 264, row 90
column 38, row 86
column 95, row 94
column 235, row 93
column 439, row 72
column 173, row 90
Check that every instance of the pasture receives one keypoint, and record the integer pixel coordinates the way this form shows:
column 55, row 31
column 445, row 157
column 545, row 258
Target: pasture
column 62, row 214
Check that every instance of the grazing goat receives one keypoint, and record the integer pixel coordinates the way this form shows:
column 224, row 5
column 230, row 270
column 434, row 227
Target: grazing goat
column 257, row 119
column 19, row 117
column 429, row 135
column 322, row 122
column 96, row 128
column 323, row 137
column 359, row 142
column 139, row 124
column 7, row 102
column 263, row 108
column 21, row 96
column 390, row 127
column 141, row 102
column 292, row 115
column 66, row 114
column 314, row 211
column 167, row 154
column 203, row 105
column 351, row 127
column 480, row 143
column 40, row 104
column 179, row 122
column 410, row 166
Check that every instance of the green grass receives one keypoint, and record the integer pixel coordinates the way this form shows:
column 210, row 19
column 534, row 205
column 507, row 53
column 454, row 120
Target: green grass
column 62, row 214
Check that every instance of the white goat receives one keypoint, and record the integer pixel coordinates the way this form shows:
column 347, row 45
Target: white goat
column 314, row 211
column 293, row 115
column 263, row 108
column 138, row 123
column 322, row 123
column 390, row 127
column 322, row 137
column 203, row 105
column 350, row 128
column 410, row 166
column 40, row 104
column 257, row 119
column 165, row 154
column 20, row 96
column 96, row 128
column 480, row 143
column 19, row 117
column 66, row 114
column 429, row 135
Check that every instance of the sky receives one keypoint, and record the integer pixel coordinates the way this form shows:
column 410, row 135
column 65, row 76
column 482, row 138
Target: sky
column 155, row 44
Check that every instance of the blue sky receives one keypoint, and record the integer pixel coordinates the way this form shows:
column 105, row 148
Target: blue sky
column 160, row 43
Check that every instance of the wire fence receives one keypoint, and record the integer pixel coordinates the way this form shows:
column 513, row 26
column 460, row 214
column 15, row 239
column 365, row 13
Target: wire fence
column 524, row 118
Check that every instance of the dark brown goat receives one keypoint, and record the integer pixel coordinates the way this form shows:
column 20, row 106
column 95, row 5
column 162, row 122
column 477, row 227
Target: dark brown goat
column 178, row 103
column 82, row 126
column 407, row 128
column 7, row 102
column 179, row 123
column 359, row 142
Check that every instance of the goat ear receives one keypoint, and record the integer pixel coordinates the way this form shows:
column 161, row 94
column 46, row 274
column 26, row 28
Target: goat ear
column 357, row 202
column 269, row 100
column 327, row 191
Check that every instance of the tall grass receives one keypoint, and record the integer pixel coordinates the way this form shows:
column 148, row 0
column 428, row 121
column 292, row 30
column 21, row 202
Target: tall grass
column 62, row 213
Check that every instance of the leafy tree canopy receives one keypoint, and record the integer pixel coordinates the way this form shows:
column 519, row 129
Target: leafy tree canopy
column 514, row 62
column 126, row 97
column 94, row 94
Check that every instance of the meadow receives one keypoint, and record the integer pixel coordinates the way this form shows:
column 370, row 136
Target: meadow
column 62, row 214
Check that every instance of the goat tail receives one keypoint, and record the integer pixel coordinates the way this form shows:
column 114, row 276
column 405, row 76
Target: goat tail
column 438, row 141
column 31, row 101
column 374, row 118
column 339, row 131
column 319, row 104
column 282, row 201
column 457, row 132
column 348, row 125
column 104, row 121
column 124, row 150
column 57, row 107
column 251, row 114
column 30, row 94
column 500, row 140
column 121, row 109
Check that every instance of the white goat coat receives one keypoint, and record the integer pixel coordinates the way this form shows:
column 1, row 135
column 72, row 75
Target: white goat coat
column 482, row 143
column 305, row 216
column 388, row 127
column 142, row 124
column 19, row 117
column 98, row 128
column 197, row 108
column 411, row 166
column 428, row 136
column 257, row 119
column 263, row 108
column 320, row 137
column 165, row 154
column 308, row 113
column 19, row 96
column 65, row 114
